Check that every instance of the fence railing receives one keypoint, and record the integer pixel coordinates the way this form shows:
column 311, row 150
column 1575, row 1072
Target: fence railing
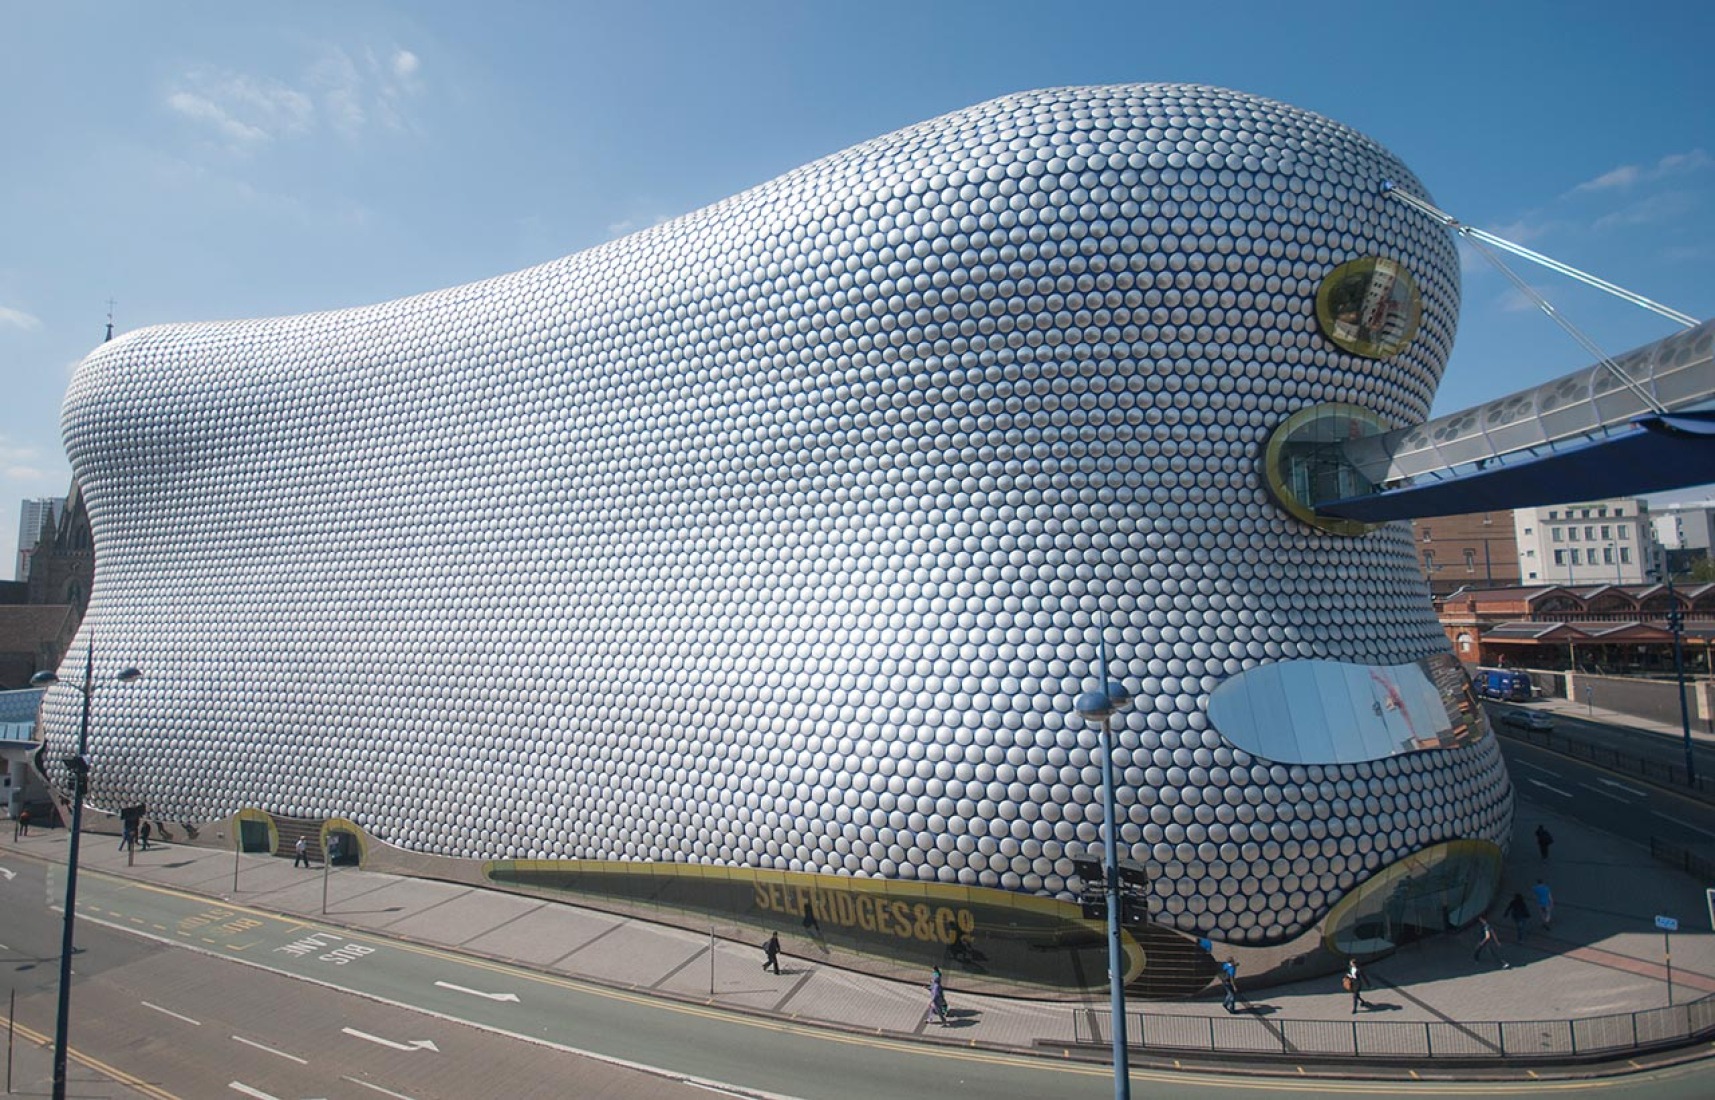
column 1477, row 1040
column 1678, row 855
column 1651, row 771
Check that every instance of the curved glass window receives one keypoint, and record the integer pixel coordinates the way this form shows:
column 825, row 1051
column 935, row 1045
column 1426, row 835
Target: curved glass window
column 1305, row 463
column 1330, row 712
column 1370, row 307
column 1438, row 889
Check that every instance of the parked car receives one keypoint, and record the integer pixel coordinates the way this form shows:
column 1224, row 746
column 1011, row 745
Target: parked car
column 1528, row 719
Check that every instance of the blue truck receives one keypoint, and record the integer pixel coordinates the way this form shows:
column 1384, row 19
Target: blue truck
column 1502, row 683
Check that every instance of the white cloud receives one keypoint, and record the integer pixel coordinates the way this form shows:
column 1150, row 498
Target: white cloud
column 1630, row 175
column 1665, row 207
column 244, row 111
column 17, row 318
column 347, row 92
column 363, row 90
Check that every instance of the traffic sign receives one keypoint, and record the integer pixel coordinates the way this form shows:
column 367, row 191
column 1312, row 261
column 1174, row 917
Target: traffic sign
column 1667, row 924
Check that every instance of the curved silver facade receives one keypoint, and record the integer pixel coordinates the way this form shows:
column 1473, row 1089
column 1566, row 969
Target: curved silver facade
column 781, row 535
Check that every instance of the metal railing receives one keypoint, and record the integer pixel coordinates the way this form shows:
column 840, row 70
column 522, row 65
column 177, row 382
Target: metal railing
column 1662, row 774
column 1683, row 858
column 1244, row 1034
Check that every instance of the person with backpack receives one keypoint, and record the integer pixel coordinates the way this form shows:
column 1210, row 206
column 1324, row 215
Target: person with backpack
column 771, row 953
column 1230, row 985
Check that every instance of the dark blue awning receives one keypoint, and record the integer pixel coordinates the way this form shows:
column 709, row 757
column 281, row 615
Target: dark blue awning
column 1657, row 453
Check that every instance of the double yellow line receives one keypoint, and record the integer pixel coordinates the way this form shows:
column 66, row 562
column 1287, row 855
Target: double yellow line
column 95, row 1064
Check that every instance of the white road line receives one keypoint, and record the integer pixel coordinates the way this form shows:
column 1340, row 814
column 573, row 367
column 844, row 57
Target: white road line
column 1539, row 768
column 414, row 1044
column 270, row 1050
column 240, row 1086
column 1683, row 824
column 1547, row 787
column 1620, row 786
column 1607, row 794
column 478, row 992
column 170, row 1012
column 377, row 1088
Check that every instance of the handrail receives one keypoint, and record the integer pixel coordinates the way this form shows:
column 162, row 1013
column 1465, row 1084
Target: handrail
column 1481, row 1040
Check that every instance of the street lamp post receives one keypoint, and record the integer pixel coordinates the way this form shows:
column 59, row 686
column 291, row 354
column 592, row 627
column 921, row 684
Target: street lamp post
column 1099, row 706
column 1676, row 623
column 78, row 765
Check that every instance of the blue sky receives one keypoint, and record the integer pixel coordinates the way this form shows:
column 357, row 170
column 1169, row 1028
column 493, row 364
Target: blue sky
column 196, row 161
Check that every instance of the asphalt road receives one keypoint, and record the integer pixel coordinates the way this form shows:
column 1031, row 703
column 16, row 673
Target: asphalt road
column 1617, row 804
column 192, row 997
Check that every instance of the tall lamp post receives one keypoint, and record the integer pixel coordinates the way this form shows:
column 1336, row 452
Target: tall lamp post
column 1676, row 623
column 78, row 766
column 1098, row 707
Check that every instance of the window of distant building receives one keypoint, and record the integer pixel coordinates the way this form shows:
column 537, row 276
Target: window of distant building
column 1464, row 642
column 1532, row 575
column 1426, row 534
column 1470, row 561
column 1625, row 555
column 1618, row 512
column 1531, row 553
column 1590, row 532
column 1556, row 533
column 1560, row 557
column 1625, row 531
column 1553, row 515
column 1599, row 512
column 1607, row 531
column 1607, row 555
column 1575, row 558
column 1428, row 561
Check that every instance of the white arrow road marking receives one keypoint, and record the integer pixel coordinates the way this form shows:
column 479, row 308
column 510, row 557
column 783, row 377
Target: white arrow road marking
column 240, row 1086
column 170, row 1012
column 377, row 1088
column 9, row 873
column 1619, row 786
column 414, row 1044
column 270, row 1050
column 478, row 992
column 1546, row 787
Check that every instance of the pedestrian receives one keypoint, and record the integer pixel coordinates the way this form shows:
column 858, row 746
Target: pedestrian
column 937, row 999
column 1353, row 983
column 1486, row 938
column 128, row 838
column 771, row 953
column 23, row 826
column 1544, row 839
column 812, row 926
column 1519, row 910
column 1544, row 902
column 301, row 853
column 143, row 835
column 1230, row 984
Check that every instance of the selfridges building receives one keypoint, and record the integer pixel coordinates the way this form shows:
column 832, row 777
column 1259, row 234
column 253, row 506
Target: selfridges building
column 750, row 565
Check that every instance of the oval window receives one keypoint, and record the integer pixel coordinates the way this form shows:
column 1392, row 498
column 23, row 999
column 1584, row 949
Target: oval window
column 1305, row 463
column 1370, row 307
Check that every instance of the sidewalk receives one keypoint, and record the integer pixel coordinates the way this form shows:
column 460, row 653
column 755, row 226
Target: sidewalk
column 1603, row 956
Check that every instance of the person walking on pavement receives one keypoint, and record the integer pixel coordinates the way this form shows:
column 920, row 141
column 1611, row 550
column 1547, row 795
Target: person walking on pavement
column 1230, row 984
column 22, row 828
column 771, row 953
column 301, row 853
column 1486, row 938
column 937, row 999
column 1519, row 910
column 1354, row 984
column 143, row 835
column 1544, row 902
column 1544, row 839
